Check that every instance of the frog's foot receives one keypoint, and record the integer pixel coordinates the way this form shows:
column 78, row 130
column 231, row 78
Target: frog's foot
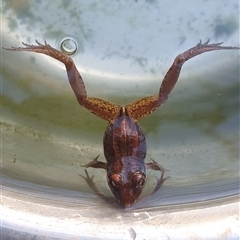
column 88, row 179
column 156, row 166
column 92, row 185
column 160, row 182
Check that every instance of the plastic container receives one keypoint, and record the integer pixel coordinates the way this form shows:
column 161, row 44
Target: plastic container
column 123, row 49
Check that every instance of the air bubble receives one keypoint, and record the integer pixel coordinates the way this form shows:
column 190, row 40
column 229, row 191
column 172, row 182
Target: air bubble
column 68, row 46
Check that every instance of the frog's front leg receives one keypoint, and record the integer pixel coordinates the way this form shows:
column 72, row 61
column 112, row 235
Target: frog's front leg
column 155, row 166
column 96, row 164
column 104, row 109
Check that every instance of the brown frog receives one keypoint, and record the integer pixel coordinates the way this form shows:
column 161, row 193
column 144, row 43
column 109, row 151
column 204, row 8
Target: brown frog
column 124, row 141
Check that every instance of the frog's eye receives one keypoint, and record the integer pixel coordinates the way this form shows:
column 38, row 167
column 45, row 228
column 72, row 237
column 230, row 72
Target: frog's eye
column 115, row 180
column 138, row 180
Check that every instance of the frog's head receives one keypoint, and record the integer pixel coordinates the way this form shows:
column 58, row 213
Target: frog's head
column 127, row 189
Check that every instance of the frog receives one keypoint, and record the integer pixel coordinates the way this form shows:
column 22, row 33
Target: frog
column 124, row 141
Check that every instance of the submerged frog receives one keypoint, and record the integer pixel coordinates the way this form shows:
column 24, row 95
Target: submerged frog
column 124, row 141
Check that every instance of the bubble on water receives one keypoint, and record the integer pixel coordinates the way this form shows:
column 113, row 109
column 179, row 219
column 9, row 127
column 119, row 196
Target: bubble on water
column 68, row 46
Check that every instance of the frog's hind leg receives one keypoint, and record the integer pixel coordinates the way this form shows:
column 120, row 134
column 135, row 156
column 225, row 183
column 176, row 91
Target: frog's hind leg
column 104, row 109
column 143, row 107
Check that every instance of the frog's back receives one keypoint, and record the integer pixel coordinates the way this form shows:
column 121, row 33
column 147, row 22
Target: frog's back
column 124, row 144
